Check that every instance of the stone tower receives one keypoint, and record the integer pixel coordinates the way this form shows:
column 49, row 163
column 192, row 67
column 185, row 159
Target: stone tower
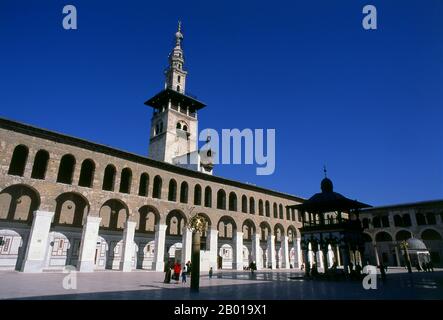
column 174, row 124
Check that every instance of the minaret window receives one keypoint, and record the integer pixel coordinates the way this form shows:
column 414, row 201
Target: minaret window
column 179, row 125
column 178, row 88
column 178, row 79
column 185, row 128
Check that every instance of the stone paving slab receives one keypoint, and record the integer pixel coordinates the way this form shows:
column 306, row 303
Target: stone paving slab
column 224, row 285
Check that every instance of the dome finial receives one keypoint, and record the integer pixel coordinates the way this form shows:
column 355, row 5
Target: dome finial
column 178, row 34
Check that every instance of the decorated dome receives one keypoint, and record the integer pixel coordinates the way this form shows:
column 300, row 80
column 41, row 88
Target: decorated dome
column 416, row 244
column 326, row 185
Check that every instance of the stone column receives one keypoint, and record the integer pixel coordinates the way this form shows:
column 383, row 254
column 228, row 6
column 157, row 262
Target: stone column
column 397, row 255
column 271, row 252
column 337, row 250
column 299, row 253
column 159, row 251
column 186, row 245
column 128, row 246
column 345, row 257
column 88, row 246
column 213, row 248
column 285, row 252
column 238, row 251
column 377, row 260
column 38, row 241
column 256, row 251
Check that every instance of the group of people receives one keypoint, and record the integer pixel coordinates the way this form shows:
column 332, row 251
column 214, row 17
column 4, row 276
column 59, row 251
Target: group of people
column 173, row 271
column 425, row 266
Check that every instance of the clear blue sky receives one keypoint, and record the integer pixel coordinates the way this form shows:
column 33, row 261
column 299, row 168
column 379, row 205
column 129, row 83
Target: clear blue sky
column 368, row 104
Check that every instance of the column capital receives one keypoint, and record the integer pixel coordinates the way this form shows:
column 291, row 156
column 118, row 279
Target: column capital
column 93, row 219
column 41, row 213
column 160, row 227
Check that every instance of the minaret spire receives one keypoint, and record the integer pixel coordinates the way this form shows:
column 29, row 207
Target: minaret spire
column 175, row 74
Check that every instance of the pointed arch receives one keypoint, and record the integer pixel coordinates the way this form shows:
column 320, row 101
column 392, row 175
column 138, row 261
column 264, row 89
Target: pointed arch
column 157, row 190
column 66, row 169
column 18, row 161
column 109, row 178
column 208, row 197
column 40, row 165
column 184, row 192
column 232, row 201
column 87, row 173
column 197, row 195
column 172, row 190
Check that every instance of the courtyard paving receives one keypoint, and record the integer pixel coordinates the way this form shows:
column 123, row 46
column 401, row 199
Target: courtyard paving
column 224, row 285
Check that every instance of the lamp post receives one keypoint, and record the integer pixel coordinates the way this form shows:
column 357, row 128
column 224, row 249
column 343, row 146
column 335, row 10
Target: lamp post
column 197, row 225
column 404, row 246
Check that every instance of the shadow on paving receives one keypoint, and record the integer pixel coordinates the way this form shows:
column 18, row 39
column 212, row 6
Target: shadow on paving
column 397, row 286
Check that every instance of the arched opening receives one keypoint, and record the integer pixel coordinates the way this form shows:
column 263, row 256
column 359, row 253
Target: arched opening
column 421, row 220
column 265, row 231
column 18, row 161
column 172, row 190
column 184, row 192
column 147, row 218
column 430, row 234
column 125, row 180
column 251, row 205
column 275, row 210
column 232, row 201
column 244, row 204
column 114, row 214
column 268, row 209
column 157, row 190
column 383, row 237
column 226, row 227
column 221, row 199
column 406, row 220
column 385, row 221
column 288, row 214
column 248, row 229
column 18, row 202
column 403, row 235
column 430, row 218
column 197, row 195
column 260, row 207
column 175, row 222
column 87, row 174
column 280, row 211
column 179, row 126
column 40, row 165
column 365, row 223
column 144, row 184
column 109, row 178
column 11, row 249
column 376, row 222
column 208, row 197
column 279, row 232
column 398, row 221
column 70, row 209
column 66, row 169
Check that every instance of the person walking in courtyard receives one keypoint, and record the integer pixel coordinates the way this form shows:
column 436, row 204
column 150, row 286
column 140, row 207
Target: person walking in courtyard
column 168, row 274
column 177, row 270
column 184, row 275
column 210, row 273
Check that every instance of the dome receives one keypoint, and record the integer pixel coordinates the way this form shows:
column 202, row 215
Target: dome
column 326, row 185
column 179, row 35
column 416, row 244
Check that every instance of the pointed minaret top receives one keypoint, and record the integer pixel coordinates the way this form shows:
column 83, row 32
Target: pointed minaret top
column 325, row 171
column 178, row 34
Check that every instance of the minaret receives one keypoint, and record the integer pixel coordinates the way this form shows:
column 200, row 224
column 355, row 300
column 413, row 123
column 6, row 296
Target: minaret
column 174, row 124
column 175, row 74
